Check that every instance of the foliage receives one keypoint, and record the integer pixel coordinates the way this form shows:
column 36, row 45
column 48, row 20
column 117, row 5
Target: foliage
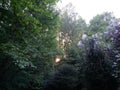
column 28, row 46
column 116, row 51
column 29, row 30
column 101, row 22
column 71, row 28
column 65, row 78
column 98, row 70
column 13, row 77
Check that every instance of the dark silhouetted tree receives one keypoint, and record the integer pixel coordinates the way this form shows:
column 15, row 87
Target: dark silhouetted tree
column 98, row 71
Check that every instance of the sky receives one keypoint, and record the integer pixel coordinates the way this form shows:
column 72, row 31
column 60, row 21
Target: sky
column 87, row 9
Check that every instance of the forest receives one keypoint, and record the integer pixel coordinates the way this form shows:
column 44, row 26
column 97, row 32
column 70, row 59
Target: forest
column 44, row 48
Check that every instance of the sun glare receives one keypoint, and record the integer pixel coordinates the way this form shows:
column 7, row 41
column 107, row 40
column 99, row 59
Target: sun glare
column 57, row 60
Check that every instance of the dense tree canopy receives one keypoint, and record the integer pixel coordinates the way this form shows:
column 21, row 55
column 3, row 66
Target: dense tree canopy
column 33, row 33
column 29, row 30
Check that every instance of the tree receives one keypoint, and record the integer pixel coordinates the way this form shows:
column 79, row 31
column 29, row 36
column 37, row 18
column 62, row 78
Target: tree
column 116, row 51
column 71, row 28
column 29, row 30
column 64, row 78
column 98, row 71
column 101, row 22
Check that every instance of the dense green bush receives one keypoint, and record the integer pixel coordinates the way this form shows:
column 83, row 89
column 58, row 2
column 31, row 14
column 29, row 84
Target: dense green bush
column 65, row 78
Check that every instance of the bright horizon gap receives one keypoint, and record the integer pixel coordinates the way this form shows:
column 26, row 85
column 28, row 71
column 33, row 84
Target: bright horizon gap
column 87, row 9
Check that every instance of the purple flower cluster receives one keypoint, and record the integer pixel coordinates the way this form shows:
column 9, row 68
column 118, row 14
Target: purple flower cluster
column 117, row 27
column 116, row 40
column 116, row 36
